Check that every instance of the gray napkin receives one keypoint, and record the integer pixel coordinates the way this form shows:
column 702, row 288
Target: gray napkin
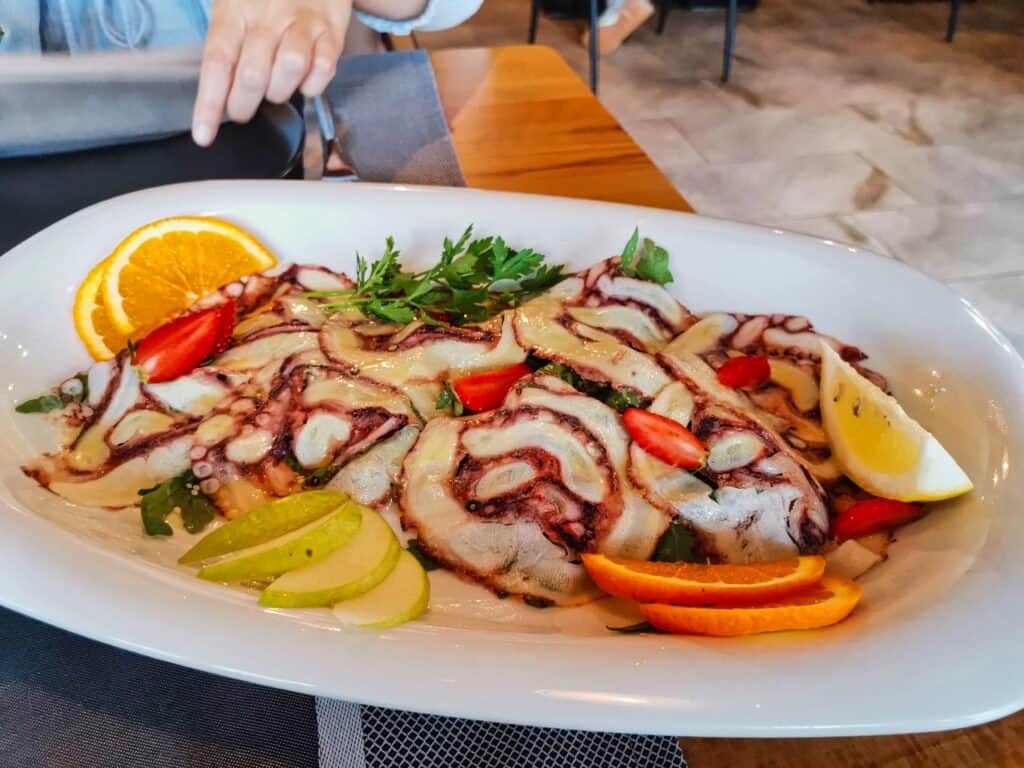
column 393, row 95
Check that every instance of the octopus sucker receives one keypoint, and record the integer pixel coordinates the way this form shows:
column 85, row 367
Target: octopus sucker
column 510, row 499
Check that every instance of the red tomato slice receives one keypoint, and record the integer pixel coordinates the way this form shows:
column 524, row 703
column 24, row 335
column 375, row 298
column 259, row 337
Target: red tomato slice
column 871, row 516
column 748, row 371
column 665, row 438
column 226, row 327
column 485, row 391
column 174, row 349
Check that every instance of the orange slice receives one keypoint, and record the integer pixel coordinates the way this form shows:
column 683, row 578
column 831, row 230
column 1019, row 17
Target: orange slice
column 827, row 602
column 92, row 322
column 164, row 267
column 700, row 583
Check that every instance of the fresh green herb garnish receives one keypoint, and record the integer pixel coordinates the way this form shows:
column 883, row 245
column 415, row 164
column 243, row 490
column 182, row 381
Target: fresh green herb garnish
column 675, row 545
column 646, row 261
column 449, row 402
column 619, row 399
column 179, row 493
column 428, row 563
column 55, row 401
column 316, row 478
column 640, row 627
column 473, row 280
column 41, row 404
column 320, row 477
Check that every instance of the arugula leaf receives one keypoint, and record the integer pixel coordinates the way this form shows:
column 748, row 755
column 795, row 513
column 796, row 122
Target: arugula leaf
column 449, row 401
column 675, row 545
column 472, row 280
column 641, row 627
column 619, row 399
column 629, row 251
column 428, row 563
column 41, row 404
column 646, row 261
column 179, row 493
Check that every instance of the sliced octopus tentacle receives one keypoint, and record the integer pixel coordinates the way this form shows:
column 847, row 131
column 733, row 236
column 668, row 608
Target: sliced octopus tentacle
column 511, row 497
column 754, row 500
column 418, row 358
column 788, row 400
column 314, row 417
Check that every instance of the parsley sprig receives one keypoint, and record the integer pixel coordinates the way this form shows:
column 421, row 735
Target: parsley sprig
column 645, row 260
column 473, row 279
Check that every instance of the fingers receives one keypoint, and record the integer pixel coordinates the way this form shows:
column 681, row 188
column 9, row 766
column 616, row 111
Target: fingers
column 325, row 62
column 292, row 62
column 220, row 55
column 265, row 50
column 252, row 75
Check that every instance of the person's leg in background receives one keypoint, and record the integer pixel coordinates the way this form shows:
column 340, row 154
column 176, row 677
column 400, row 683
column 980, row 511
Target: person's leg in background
column 620, row 19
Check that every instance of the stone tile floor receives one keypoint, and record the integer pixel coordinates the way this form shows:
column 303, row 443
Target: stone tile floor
column 844, row 119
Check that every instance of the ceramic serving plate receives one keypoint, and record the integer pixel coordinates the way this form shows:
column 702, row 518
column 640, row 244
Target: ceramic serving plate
column 935, row 643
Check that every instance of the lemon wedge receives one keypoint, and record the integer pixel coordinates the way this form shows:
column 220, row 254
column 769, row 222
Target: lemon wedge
column 877, row 444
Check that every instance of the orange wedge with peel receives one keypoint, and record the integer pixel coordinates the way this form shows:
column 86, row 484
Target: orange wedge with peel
column 164, row 267
column 92, row 322
column 703, row 583
column 828, row 602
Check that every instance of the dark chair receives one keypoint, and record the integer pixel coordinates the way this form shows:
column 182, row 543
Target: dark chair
column 731, row 12
column 954, row 14
column 594, row 58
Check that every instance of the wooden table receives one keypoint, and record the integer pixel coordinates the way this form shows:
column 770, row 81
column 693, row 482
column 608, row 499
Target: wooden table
column 523, row 121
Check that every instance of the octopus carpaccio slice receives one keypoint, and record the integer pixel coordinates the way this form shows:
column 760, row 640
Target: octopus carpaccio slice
column 788, row 401
column 314, row 417
column 639, row 313
column 754, row 499
column 131, row 435
column 604, row 326
column 128, row 435
column 511, row 497
column 419, row 358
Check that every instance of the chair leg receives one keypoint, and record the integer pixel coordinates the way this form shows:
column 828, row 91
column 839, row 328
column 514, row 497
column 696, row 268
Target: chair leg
column 730, row 37
column 663, row 10
column 534, row 13
column 954, row 13
column 595, row 60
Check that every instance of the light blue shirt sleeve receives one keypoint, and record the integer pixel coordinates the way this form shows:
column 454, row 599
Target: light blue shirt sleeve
column 437, row 14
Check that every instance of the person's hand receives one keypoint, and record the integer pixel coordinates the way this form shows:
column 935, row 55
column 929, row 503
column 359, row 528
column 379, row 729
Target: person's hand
column 258, row 49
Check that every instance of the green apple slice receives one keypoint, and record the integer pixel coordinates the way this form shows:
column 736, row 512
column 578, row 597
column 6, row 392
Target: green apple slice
column 304, row 546
column 265, row 523
column 401, row 597
column 347, row 572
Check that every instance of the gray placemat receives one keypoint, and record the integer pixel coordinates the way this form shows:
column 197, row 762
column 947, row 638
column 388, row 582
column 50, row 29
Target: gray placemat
column 68, row 702
column 374, row 737
column 389, row 116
